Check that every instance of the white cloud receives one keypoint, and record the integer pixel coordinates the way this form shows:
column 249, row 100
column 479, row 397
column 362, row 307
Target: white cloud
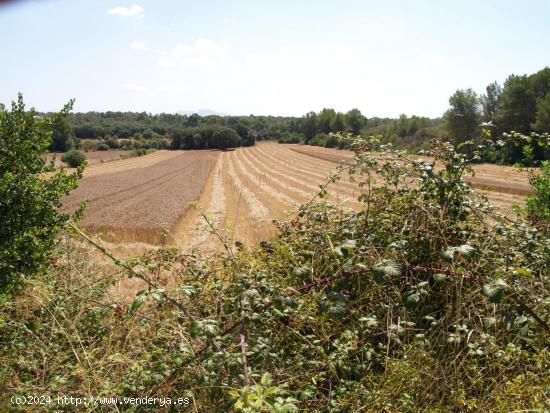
column 135, row 10
column 202, row 52
column 137, row 45
column 132, row 87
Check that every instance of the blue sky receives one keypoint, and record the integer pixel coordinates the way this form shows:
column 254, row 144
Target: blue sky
column 265, row 57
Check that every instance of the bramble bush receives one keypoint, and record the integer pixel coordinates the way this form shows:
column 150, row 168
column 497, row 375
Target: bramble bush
column 427, row 299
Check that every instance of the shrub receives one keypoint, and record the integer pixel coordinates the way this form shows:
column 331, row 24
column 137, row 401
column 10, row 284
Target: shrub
column 287, row 137
column 102, row 147
column 224, row 138
column 319, row 139
column 74, row 158
column 29, row 201
column 538, row 206
column 112, row 143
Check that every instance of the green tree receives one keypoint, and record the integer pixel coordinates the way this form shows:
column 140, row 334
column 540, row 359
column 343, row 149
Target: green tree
column 355, row 121
column 309, row 125
column 62, row 138
column 490, row 101
column 542, row 122
column 224, row 138
column 539, row 83
column 463, row 118
column 29, row 201
column 517, row 105
column 193, row 120
column 326, row 120
column 339, row 123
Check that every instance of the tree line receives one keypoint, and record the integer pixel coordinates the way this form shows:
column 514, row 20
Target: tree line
column 145, row 130
column 521, row 104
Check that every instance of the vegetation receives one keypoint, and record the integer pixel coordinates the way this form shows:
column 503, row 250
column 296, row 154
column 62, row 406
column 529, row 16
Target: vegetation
column 224, row 138
column 538, row 206
column 413, row 303
column 73, row 158
column 62, row 139
column 520, row 105
column 29, row 203
column 156, row 128
column 287, row 137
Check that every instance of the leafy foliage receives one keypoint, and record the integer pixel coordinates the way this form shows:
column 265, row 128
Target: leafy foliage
column 73, row 158
column 29, row 219
column 538, row 206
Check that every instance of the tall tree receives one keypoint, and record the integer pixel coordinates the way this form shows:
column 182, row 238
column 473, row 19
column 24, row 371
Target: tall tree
column 326, row 120
column 539, row 83
column 355, row 121
column 490, row 101
column 309, row 125
column 339, row 123
column 62, row 137
column 517, row 105
column 542, row 122
column 463, row 118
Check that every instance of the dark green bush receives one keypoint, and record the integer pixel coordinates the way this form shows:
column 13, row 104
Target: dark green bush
column 319, row 139
column 224, row 138
column 73, row 158
column 102, row 147
column 112, row 143
column 287, row 137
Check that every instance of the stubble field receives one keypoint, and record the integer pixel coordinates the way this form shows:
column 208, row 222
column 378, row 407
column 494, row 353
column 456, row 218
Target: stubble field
column 241, row 192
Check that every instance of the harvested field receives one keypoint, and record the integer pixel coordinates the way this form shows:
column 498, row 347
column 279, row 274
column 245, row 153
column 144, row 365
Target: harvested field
column 241, row 191
column 504, row 185
column 138, row 198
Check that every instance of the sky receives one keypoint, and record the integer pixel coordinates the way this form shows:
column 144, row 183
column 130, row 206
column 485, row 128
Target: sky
column 265, row 57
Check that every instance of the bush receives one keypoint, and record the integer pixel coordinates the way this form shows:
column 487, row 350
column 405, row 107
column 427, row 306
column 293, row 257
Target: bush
column 287, row 137
column 224, row 138
column 138, row 152
column 74, row 158
column 29, row 200
column 102, row 147
column 538, row 206
column 318, row 140
column 112, row 143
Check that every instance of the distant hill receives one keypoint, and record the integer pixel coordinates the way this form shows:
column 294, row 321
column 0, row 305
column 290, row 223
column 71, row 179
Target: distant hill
column 202, row 112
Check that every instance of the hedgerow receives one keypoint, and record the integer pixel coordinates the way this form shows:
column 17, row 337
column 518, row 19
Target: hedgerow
column 428, row 299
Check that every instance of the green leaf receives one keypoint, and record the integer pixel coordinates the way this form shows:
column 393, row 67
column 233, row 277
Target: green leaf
column 412, row 300
column 439, row 277
column 385, row 270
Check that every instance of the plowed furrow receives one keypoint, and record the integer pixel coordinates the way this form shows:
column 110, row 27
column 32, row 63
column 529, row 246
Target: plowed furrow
column 307, row 184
